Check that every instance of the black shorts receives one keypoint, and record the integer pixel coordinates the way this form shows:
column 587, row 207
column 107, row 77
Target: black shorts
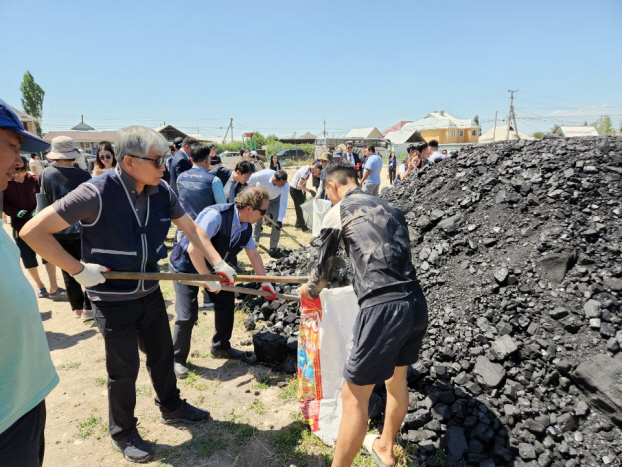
column 27, row 254
column 386, row 336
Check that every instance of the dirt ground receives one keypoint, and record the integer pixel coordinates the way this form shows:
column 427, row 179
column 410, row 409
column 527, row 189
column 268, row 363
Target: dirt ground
column 256, row 418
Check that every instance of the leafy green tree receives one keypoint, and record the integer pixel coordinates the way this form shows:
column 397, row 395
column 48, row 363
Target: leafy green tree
column 538, row 135
column 32, row 98
column 272, row 139
column 603, row 125
column 259, row 139
column 476, row 120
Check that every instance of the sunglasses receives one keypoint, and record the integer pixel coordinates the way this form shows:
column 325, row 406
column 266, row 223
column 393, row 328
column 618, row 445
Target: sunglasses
column 105, row 158
column 263, row 211
column 159, row 162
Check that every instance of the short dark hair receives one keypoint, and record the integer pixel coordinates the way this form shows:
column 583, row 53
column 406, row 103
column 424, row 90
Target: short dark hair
column 245, row 167
column 433, row 143
column 25, row 164
column 199, row 152
column 421, row 146
column 371, row 148
column 339, row 171
column 280, row 175
column 188, row 141
column 349, row 143
column 213, row 146
column 411, row 148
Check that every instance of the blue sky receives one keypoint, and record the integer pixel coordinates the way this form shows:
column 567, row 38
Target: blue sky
column 285, row 66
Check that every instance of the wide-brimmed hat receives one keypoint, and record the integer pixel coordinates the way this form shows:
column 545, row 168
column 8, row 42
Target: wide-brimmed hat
column 63, row 147
column 10, row 121
column 325, row 156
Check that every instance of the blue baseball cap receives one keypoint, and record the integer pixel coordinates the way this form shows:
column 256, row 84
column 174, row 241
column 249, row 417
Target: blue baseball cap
column 10, row 121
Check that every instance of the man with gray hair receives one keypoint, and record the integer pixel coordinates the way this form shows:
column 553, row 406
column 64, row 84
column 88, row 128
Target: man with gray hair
column 126, row 214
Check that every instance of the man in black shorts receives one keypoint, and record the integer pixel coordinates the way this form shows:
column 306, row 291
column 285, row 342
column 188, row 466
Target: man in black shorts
column 393, row 315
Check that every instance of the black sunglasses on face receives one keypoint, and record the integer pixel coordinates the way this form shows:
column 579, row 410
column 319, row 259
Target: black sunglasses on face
column 263, row 211
column 159, row 162
column 105, row 158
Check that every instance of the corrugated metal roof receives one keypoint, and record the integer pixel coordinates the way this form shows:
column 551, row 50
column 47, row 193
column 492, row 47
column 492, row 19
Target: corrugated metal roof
column 400, row 136
column 23, row 116
column 434, row 121
column 397, row 126
column 500, row 134
column 369, row 132
column 82, row 136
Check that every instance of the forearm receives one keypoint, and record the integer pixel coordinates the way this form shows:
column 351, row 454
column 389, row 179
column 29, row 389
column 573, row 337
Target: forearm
column 256, row 262
column 365, row 175
column 198, row 260
column 38, row 233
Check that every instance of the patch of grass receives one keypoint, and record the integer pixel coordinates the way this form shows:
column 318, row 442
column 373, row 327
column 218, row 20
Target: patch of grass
column 144, row 390
column 258, row 407
column 101, row 381
column 289, row 392
column 69, row 366
column 199, row 400
column 205, row 445
column 269, row 379
column 286, row 444
column 91, row 425
column 232, row 436
column 231, row 364
column 439, row 457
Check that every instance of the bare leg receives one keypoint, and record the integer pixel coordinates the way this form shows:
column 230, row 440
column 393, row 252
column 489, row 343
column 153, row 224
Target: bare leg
column 51, row 270
column 353, row 427
column 34, row 273
column 397, row 407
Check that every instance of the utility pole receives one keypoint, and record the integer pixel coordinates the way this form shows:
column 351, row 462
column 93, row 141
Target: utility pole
column 230, row 127
column 324, row 128
column 494, row 132
column 512, row 115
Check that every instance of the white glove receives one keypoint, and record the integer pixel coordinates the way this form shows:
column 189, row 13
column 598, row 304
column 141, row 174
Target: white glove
column 226, row 271
column 212, row 286
column 267, row 287
column 91, row 274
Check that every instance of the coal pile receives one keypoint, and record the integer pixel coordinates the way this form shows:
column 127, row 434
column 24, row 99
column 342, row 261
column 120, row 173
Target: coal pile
column 517, row 246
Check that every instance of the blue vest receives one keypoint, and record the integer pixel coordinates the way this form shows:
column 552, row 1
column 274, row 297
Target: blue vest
column 118, row 240
column 195, row 190
column 180, row 259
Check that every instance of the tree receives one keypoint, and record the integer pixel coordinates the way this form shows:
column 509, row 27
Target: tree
column 603, row 125
column 260, row 140
column 32, row 98
column 272, row 139
column 476, row 120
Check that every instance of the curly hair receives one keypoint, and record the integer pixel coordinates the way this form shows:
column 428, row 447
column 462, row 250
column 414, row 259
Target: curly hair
column 251, row 196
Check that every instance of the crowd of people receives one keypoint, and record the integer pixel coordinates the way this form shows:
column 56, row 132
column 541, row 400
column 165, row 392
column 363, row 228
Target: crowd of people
column 117, row 218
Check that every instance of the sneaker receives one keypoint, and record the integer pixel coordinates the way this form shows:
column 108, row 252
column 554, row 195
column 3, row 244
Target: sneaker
column 235, row 354
column 59, row 295
column 181, row 371
column 88, row 315
column 134, row 448
column 185, row 413
column 78, row 313
column 43, row 293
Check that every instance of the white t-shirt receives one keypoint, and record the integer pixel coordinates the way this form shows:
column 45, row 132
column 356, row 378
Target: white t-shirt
column 36, row 167
column 302, row 173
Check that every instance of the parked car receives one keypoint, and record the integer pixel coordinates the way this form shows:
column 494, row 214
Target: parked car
column 292, row 153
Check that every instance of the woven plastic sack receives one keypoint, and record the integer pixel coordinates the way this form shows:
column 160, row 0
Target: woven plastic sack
column 320, row 209
column 324, row 343
column 307, row 212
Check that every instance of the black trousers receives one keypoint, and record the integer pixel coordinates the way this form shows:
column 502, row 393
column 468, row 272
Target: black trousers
column 77, row 297
column 23, row 443
column 392, row 172
column 125, row 325
column 187, row 309
column 299, row 198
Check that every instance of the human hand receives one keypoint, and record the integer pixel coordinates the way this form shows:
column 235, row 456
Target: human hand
column 267, row 287
column 226, row 271
column 23, row 213
column 279, row 224
column 303, row 292
column 212, row 286
column 313, row 193
column 91, row 274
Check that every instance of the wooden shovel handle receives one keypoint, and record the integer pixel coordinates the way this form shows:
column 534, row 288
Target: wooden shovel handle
column 178, row 276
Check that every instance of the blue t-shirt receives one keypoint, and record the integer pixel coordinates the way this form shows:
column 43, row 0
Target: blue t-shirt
column 28, row 375
column 374, row 163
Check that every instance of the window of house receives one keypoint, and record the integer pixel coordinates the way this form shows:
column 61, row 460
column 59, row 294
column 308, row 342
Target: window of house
column 452, row 133
column 461, row 132
column 473, row 132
